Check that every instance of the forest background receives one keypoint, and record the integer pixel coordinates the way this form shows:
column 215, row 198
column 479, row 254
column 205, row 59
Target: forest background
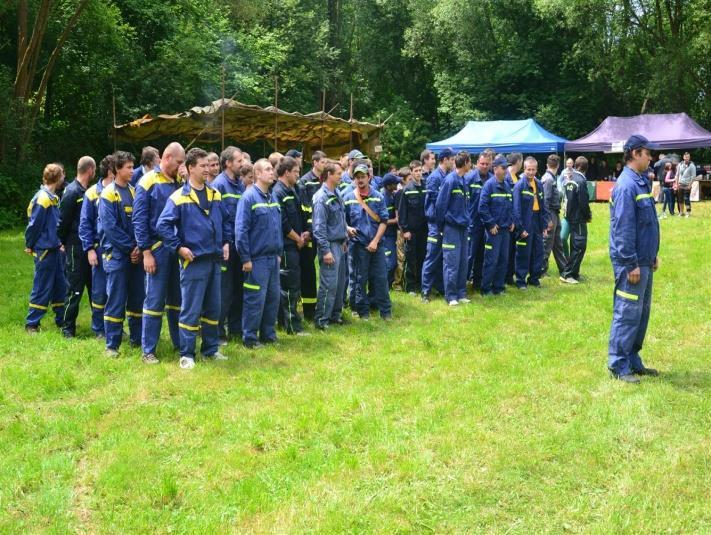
column 432, row 65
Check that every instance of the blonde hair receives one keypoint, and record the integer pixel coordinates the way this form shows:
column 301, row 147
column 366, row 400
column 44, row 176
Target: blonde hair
column 52, row 173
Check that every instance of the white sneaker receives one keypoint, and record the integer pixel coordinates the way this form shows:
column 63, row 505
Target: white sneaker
column 454, row 303
column 111, row 353
column 303, row 333
column 687, row 214
column 218, row 356
column 187, row 363
column 464, row 301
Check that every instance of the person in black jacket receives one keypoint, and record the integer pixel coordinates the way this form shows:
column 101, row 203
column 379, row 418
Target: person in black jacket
column 292, row 225
column 77, row 268
column 413, row 224
column 551, row 197
column 578, row 215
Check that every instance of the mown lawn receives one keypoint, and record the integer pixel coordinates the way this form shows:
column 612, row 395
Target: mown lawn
column 496, row 417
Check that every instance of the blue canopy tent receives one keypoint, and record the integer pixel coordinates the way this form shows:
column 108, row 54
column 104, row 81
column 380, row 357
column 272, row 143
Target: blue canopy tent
column 525, row 136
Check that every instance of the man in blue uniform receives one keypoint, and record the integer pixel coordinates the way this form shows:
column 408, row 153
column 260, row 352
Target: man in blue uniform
column 452, row 217
column 292, row 225
column 121, row 257
column 162, row 279
column 432, row 267
column 413, row 224
column 330, row 233
column 389, row 185
column 634, row 245
column 231, row 188
column 474, row 181
column 193, row 224
column 41, row 241
column 259, row 244
column 90, row 236
column 150, row 160
column 532, row 223
column 307, row 187
column 496, row 213
column 515, row 161
column 367, row 213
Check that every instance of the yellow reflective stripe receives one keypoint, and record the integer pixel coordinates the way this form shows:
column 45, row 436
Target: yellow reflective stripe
column 310, row 244
column 208, row 321
column 330, row 200
column 631, row 297
column 458, row 191
column 488, row 246
column 254, row 287
column 643, row 196
column 80, row 199
column 38, row 307
column 231, row 196
column 265, row 205
column 431, row 239
column 477, row 186
column 152, row 312
column 128, row 209
column 448, row 246
column 306, row 208
column 371, row 199
column 388, row 253
column 521, row 243
column 223, row 268
column 107, row 257
column 308, row 300
column 185, row 263
column 97, row 306
column 189, row 327
column 500, row 195
column 172, row 307
column 288, row 198
column 58, row 304
column 413, row 192
column 352, row 201
column 156, row 245
column 112, row 319
column 134, row 314
column 525, row 192
column 43, row 255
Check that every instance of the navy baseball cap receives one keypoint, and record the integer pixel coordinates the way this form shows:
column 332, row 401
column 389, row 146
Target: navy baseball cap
column 500, row 162
column 445, row 153
column 391, row 180
column 293, row 153
column 355, row 154
column 637, row 141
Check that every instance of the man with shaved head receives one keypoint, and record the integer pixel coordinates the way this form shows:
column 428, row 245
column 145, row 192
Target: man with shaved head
column 160, row 263
column 78, row 270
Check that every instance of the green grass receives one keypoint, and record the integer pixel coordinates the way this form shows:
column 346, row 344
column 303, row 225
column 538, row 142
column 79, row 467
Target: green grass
column 496, row 417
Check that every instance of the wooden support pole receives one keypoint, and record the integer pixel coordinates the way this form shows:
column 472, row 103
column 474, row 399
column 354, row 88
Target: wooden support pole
column 222, row 109
column 323, row 114
column 350, row 127
column 113, row 105
column 276, row 112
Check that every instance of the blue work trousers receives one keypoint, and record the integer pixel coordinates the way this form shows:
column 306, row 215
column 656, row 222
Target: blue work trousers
column 496, row 258
column 49, row 287
column 162, row 293
column 529, row 255
column 124, row 296
column 200, row 310
column 455, row 254
column 98, row 296
column 632, row 304
column 432, row 267
column 331, row 287
column 261, row 300
column 370, row 268
column 232, row 288
column 389, row 243
column 475, row 263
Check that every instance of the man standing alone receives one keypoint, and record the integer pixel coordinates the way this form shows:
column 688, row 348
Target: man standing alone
column 634, row 245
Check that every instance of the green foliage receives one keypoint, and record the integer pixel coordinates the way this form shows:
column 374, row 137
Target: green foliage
column 494, row 417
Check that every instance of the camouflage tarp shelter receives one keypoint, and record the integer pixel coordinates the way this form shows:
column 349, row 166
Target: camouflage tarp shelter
column 246, row 124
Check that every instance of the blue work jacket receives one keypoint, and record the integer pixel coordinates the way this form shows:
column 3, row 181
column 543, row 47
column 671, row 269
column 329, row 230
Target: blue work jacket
column 432, row 185
column 329, row 219
column 231, row 191
column 474, row 183
column 358, row 218
column 116, row 216
column 451, row 205
column 389, row 199
column 496, row 204
column 43, row 214
column 258, row 225
column 89, row 225
column 152, row 194
column 523, row 205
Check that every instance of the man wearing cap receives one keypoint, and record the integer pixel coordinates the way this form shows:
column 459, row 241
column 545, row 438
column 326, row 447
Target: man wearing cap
column 496, row 213
column 452, row 217
column 307, row 187
column 474, row 181
column 298, row 156
column 413, row 224
column 634, row 245
column 367, row 213
column 389, row 185
column 432, row 267
column 346, row 177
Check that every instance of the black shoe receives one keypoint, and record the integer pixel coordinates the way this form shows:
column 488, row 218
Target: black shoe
column 269, row 341
column 647, row 371
column 321, row 326
column 252, row 345
column 32, row 329
column 628, row 378
column 425, row 298
column 68, row 334
column 339, row 321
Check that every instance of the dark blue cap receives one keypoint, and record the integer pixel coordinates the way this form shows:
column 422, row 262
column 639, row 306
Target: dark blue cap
column 445, row 153
column 390, row 179
column 639, row 142
column 293, row 153
column 500, row 162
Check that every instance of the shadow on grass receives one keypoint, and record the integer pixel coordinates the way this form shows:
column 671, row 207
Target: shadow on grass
column 690, row 381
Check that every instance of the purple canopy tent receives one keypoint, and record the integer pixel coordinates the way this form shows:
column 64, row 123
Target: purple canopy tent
column 668, row 130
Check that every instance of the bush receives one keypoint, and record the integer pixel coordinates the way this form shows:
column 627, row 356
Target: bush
column 17, row 186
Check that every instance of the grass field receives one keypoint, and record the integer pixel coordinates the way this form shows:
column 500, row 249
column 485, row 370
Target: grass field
column 493, row 417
